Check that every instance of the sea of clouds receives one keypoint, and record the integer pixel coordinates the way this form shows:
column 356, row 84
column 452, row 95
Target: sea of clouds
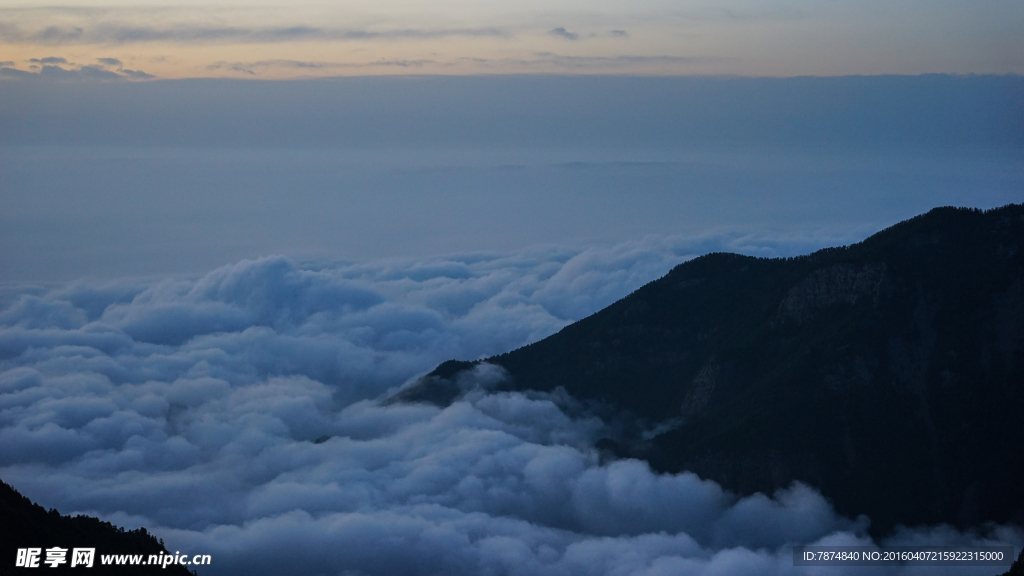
column 237, row 414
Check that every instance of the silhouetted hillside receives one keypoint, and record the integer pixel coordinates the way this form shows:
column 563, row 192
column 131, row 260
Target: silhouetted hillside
column 889, row 374
column 1017, row 569
column 24, row 524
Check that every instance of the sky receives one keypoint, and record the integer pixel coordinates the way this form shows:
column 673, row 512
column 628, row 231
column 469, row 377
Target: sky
column 148, row 138
column 228, row 230
column 168, row 39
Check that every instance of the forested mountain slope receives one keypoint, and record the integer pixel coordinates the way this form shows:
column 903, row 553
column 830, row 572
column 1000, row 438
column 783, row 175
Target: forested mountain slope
column 24, row 524
column 889, row 374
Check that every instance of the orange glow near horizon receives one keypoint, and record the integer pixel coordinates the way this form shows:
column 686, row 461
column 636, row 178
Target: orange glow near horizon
column 649, row 38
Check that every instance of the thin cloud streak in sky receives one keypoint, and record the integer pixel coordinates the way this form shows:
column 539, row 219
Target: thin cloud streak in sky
column 251, row 67
column 615, row 61
column 542, row 60
column 119, row 34
column 563, row 33
column 60, row 69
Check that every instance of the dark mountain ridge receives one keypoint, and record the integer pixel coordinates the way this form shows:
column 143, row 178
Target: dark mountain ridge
column 24, row 524
column 889, row 374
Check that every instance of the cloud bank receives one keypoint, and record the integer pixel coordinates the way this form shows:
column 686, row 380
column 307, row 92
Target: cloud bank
column 233, row 414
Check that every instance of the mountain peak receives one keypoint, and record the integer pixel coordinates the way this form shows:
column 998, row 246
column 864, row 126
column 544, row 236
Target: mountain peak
column 888, row 373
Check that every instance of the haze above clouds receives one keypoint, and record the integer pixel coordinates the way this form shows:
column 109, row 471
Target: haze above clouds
column 122, row 179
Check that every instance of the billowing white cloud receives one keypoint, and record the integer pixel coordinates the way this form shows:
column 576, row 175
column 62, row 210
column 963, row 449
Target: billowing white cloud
column 235, row 415
column 360, row 328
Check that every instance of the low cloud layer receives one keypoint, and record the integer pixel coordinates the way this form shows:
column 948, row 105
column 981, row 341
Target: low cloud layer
column 234, row 415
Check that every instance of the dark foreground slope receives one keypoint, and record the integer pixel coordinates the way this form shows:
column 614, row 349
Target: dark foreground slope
column 889, row 374
column 24, row 524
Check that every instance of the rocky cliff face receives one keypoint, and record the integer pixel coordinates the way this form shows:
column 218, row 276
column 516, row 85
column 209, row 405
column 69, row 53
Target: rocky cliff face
column 831, row 286
column 889, row 374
